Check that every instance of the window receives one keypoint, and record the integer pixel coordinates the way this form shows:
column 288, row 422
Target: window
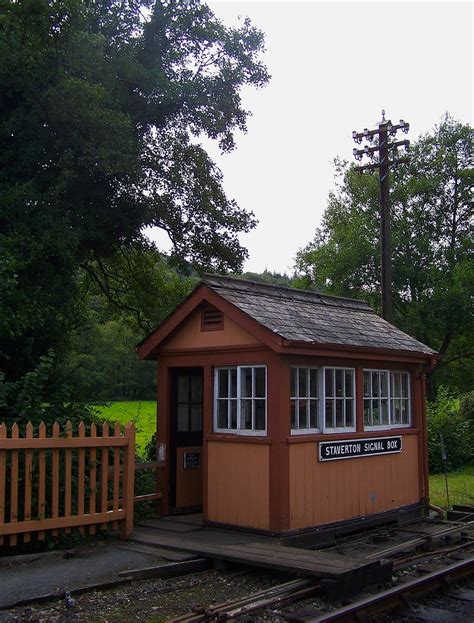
column 339, row 411
column 386, row 399
column 188, row 403
column 304, row 399
column 240, row 404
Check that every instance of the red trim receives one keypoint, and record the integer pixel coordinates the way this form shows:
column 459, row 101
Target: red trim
column 241, row 348
column 246, row 439
column 357, row 435
column 359, row 399
column 352, row 352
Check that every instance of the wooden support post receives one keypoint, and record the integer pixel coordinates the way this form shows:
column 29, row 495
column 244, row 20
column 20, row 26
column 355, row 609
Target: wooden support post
column 128, row 481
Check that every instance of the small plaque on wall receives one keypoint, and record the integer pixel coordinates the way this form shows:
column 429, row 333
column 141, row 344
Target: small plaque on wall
column 355, row 448
column 192, row 460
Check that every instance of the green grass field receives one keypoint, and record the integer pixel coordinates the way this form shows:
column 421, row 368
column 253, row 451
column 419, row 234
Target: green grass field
column 460, row 486
column 142, row 413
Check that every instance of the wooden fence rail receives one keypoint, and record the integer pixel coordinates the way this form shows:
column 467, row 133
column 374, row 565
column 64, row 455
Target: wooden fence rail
column 62, row 481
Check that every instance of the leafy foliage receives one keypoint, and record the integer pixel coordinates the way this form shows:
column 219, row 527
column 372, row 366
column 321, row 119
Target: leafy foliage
column 445, row 418
column 433, row 273
column 102, row 107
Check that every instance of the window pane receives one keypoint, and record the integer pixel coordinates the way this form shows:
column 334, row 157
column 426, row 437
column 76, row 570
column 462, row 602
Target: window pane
column 233, row 414
column 246, row 382
column 259, row 414
column 183, row 388
column 396, row 385
column 303, row 413
column 396, row 412
column 349, row 383
column 375, row 384
column 349, row 413
column 375, row 413
column 196, row 389
column 339, row 413
column 182, row 423
column 329, row 382
column 222, row 389
column 293, row 415
column 313, row 413
column 339, row 383
column 302, row 382
column 260, row 382
column 246, row 414
column 222, row 414
column 384, row 420
column 293, row 381
column 384, row 384
column 404, row 385
column 329, row 414
column 196, row 417
column 313, row 381
column 367, row 413
column 404, row 411
column 233, row 382
column 367, row 378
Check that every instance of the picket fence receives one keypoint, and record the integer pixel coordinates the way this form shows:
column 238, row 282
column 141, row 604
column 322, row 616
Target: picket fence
column 62, row 481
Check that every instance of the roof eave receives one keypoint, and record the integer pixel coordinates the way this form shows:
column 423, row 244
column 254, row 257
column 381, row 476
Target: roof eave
column 371, row 350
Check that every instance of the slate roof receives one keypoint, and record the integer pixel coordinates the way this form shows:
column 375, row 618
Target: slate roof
column 303, row 316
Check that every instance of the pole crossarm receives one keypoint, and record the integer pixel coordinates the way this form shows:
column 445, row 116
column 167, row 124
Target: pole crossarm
column 382, row 148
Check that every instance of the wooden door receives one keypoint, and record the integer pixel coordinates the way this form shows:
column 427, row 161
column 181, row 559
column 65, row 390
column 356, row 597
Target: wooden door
column 186, row 439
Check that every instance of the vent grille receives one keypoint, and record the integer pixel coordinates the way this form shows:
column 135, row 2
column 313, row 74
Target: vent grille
column 212, row 319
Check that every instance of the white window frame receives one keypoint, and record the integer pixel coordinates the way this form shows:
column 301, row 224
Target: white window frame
column 341, row 429
column 308, row 431
column 391, row 425
column 364, row 398
column 239, row 398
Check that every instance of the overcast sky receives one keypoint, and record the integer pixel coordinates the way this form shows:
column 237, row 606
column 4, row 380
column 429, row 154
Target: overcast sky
column 334, row 66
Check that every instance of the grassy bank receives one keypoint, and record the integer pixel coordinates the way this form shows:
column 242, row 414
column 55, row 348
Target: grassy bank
column 142, row 413
column 460, row 486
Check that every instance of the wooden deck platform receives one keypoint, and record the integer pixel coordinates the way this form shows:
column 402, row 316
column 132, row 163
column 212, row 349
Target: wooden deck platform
column 186, row 534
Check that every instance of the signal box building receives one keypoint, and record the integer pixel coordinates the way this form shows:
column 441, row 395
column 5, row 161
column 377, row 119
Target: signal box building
column 281, row 410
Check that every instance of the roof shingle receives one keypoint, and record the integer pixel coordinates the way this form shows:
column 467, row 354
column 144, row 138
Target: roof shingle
column 302, row 316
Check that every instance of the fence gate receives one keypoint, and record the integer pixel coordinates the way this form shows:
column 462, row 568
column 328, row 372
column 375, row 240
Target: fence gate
column 62, row 480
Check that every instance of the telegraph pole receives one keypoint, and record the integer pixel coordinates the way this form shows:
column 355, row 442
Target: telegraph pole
column 380, row 154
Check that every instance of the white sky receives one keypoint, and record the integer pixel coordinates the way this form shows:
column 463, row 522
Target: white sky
column 334, row 66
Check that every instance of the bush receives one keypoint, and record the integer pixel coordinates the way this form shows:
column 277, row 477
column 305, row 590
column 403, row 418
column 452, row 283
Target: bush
column 447, row 418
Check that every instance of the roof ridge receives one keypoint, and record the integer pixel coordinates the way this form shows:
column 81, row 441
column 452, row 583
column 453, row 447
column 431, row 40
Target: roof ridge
column 361, row 304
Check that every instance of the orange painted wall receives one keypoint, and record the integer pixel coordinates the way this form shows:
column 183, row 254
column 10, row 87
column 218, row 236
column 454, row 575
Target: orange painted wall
column 189, row 335
column 325, row 492
column 238, row 484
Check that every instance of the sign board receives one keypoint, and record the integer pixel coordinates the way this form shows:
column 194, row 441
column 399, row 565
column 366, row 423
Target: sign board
column 192, row 460
column 354, row 448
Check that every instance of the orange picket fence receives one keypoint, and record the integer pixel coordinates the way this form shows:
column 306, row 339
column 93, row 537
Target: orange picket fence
column 59, row 481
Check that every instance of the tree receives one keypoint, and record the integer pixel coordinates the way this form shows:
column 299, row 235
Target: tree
column 102, row 105
column 433, row 273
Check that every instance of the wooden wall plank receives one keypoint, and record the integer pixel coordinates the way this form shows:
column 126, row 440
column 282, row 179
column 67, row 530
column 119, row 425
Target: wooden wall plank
column 68, row 476
column 81, row 472
column 92, row 477
column 104, row 474
column 3, row 476
column 15, row 433
column 28, row 482
column 116, row 475
column 239, row 484
column 41, row 479
column 55, row 477
column 325, row 492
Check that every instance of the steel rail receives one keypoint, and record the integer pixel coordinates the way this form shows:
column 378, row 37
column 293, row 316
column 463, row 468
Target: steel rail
column 399, row 595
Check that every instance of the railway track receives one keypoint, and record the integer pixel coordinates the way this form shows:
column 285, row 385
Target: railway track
column 364, row 609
